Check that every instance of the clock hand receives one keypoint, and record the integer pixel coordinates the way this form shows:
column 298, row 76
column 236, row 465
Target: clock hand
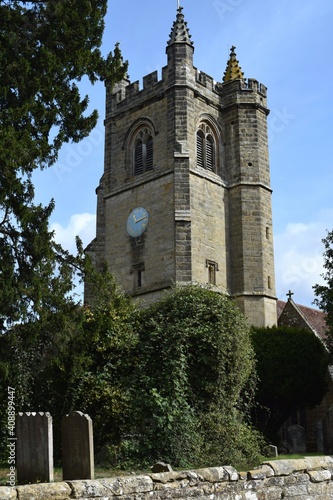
column 141, row 218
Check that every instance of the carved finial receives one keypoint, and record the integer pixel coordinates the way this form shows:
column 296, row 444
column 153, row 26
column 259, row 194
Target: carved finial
column 180, row 32
column 233, row 71
column 290, row 294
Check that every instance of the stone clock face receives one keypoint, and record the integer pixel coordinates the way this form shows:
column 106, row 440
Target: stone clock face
column 137, row 222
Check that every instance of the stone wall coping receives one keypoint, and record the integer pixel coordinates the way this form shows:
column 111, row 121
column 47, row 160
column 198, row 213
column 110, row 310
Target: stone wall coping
column 316, row 469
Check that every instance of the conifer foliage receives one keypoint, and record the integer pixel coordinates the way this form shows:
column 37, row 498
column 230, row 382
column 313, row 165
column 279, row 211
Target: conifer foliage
column 46, row 48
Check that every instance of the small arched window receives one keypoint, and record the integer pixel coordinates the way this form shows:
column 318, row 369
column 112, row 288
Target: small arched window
column 143, row 156
column 206, row 148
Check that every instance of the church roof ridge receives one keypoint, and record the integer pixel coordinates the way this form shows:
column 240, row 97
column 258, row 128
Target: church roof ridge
column 233, row 70
column 314, row 318
column 180, row 32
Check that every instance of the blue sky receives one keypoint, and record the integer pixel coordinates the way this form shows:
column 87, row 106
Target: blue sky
column 285, row 45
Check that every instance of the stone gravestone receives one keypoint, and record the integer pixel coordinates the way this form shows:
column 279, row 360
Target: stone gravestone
column 296, row 439
column 319, row 436
column 34, row 448
column 77, row 446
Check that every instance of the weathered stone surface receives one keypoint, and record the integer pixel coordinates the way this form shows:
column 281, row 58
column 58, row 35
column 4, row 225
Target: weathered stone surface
column 319, row 462
column 77, row 446
column 320, row 475
column 8, row 493
column 214, row 474
column 34, row 447
column 233, row 474
column 286, row 467
column 305, row 481
column 269, row 471
column 136, row 484
column 88, row 489
column 168, row 477
column 257, row 473
column 44, row 491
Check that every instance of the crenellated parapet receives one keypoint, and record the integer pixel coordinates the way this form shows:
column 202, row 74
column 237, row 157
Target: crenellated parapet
column 205, row 80
column 126, row 93
column 243, row 91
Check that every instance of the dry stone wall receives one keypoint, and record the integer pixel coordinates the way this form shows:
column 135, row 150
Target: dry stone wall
column 306, row 479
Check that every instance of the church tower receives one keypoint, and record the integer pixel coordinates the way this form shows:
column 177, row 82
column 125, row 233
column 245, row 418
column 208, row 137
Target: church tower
column 185, row 196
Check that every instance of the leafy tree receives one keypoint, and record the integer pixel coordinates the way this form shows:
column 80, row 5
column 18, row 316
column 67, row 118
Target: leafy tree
column 46, row 48
column 34, row 352
column 109, row 339
column 324, row 293
column 75, row 358
column 194, row 376
column 292, row 370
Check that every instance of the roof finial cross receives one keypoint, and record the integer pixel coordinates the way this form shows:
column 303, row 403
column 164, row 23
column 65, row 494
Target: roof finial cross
column 290, row 294
column 178, row 4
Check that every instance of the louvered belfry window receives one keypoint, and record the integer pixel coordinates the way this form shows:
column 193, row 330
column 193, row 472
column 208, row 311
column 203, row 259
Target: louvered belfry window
column 200, row 149
column 138, row 157
column 149, row 153
column 210, row 153
column 206, row 148
column 143, row 152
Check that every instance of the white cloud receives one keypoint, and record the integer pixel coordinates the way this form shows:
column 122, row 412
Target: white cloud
column 83, row 225
column 299, row 258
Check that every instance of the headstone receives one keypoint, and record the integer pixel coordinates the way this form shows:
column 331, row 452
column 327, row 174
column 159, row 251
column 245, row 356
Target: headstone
column 319, row 436
column 77, row 446
column 34, row 448
column 296, row 439
column 273, row 450
column 161, row 467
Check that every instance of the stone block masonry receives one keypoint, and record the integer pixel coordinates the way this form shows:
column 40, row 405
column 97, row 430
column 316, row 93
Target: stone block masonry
column 306, row 479
column 194, row 153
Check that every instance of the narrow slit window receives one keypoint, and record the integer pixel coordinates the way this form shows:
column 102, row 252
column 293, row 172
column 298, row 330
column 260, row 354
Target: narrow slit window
column 212, row 268
column 139, row 278
column 138, row 272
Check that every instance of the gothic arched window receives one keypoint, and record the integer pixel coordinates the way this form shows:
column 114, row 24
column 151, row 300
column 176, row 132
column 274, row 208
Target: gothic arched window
column 206, row 148
column 143, row 152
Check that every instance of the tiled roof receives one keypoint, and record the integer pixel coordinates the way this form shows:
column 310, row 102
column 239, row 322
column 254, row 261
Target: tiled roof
column 314, row 318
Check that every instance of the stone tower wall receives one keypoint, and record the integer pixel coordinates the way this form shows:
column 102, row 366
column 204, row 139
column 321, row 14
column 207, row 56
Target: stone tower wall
column 197, row 216
column 251, row 271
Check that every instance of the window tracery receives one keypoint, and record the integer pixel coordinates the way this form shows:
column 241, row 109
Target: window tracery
column 206, row 148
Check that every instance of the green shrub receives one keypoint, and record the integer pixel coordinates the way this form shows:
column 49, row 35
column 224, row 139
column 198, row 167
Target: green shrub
column 194, row 374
